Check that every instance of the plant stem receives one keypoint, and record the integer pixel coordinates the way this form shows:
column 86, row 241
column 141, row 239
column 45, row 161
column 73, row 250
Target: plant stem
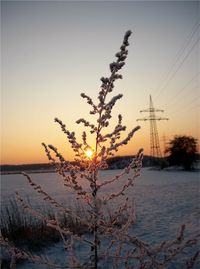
column 94, row 193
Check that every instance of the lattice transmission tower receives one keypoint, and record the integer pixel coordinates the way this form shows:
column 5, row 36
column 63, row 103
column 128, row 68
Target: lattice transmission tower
column 155, row 151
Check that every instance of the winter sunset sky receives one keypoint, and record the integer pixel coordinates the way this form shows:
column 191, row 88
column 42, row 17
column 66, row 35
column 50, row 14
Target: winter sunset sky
column 54, row 50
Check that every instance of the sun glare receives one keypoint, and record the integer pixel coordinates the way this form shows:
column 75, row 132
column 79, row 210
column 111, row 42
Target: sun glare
column 89, row 153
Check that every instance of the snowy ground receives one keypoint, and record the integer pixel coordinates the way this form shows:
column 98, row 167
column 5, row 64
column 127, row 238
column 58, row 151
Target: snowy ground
column 163, row 200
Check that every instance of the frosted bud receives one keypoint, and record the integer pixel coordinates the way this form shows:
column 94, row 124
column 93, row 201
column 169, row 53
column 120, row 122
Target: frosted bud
column 127, row 34
column 83, row 95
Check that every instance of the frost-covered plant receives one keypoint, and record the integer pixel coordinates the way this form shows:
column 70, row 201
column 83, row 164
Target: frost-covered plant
column 109, row 215
column 101, row 223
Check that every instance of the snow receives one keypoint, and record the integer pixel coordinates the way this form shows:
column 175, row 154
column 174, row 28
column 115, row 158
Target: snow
column 164, row 200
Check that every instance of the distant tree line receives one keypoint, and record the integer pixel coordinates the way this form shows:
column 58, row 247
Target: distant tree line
column 117, row 162
column 25, row 167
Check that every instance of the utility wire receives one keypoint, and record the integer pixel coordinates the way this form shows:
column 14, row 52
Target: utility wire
column 179, row 53
column 188, row 110
column 172, row 99
column 186, row 107
column 180, row 65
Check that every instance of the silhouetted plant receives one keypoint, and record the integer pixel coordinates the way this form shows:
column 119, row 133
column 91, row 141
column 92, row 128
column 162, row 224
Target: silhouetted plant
column 109, row 216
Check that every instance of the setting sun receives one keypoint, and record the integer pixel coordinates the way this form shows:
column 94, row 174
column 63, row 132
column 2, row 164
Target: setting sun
column 89, row 153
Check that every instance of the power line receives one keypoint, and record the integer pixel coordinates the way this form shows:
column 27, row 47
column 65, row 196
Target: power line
column 179, row 53
column 186, row 108
column 179, row 66
column 172, row 99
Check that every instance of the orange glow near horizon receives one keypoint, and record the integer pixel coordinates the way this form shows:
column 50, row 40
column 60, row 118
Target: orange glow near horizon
column 27, row 149
column 45, row 69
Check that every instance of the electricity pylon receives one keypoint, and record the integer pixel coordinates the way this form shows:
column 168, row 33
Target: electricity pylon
column 155, row 151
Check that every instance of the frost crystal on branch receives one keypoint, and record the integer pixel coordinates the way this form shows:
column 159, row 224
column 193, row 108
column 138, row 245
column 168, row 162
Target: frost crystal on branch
column 105, row 220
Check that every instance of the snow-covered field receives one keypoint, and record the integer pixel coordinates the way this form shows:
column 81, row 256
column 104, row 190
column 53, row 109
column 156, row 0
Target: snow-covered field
column 163, row 201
